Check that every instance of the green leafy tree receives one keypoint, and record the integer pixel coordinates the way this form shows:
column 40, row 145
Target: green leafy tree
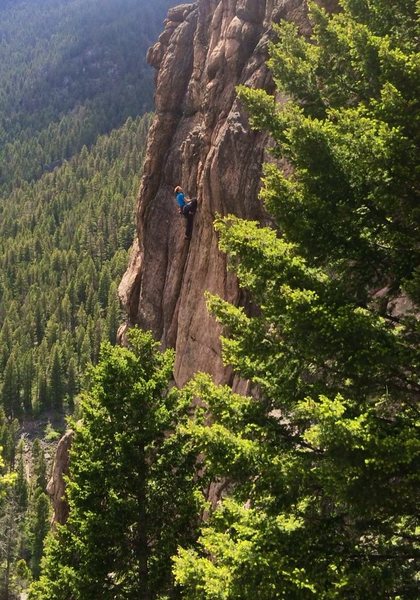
column 322, row 464
column 131, row 484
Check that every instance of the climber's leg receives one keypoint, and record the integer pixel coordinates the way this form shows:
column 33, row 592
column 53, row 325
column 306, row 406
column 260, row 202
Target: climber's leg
column 189, row 211
column 189, row 219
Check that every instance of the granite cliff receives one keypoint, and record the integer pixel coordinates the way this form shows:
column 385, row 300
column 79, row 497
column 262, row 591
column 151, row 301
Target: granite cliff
column 200, row 139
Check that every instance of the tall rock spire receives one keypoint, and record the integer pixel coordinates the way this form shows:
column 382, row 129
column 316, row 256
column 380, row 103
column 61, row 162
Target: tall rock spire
column 200, row 139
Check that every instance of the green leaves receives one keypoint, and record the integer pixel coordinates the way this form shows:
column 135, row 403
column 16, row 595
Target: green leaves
column 319, row 468
column 131, row 487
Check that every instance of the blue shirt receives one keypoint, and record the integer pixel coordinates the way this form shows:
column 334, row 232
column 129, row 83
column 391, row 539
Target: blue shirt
column 180, row 198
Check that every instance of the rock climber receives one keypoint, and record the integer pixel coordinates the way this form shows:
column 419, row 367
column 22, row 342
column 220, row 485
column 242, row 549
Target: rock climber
column 187, row 209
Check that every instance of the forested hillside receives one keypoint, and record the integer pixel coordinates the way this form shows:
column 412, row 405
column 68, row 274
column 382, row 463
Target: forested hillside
column 74, row 95
column 63, row 246
column 69, row 70
column 307, row 486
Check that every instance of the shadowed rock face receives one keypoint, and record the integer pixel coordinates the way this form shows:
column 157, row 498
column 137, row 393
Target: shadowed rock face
column 200, row 139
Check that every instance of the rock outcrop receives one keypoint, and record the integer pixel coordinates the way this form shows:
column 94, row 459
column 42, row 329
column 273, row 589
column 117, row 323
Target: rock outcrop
column 56, row 486
column 200, row 139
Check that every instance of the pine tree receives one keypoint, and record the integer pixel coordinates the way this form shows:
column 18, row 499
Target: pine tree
column 39, row 322
column 10, row 537
column 10, row 390
column 21, row 483
column 72, row 387
column 322, row 465
column 9, row 431
column 131, row 486
column 56, row 381
column 104, row 285
column 113, row 314
column 27, row 375
column 39, row 528
column 42, row 398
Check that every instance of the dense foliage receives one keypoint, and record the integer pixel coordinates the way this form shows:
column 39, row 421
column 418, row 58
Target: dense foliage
column 324, row 462
column 24, row 508
column 69, row 71
column 63, row 248
column 74, row 70
column 131, row 488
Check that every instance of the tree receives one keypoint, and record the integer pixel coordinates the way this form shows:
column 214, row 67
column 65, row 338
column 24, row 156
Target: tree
column 42, row 397
column 56, row 387
column 27, row 377
column 72, row 386
column 21, row 484
column 39, row 526
column 9, row 431
column 131, row 484
column 113, row 314
column 104, row 285
column 322, row 464
column 10, row 390
column 10, row 535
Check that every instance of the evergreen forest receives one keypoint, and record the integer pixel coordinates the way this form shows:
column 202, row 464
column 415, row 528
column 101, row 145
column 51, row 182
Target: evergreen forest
column 308, row 487
column 69, row 71
column 75, row 97
column 64, row 245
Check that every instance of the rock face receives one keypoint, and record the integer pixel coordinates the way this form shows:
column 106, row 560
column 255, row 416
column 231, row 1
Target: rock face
column 56, row 485
column 200, row 139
